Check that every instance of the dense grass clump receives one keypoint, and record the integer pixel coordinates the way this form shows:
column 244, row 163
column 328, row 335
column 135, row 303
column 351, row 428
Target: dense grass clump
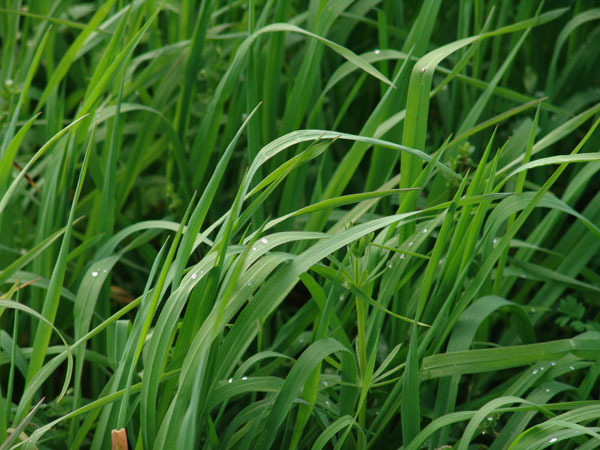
column 299, row 224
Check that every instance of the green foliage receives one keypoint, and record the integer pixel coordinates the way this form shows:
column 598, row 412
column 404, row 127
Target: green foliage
column 573, row 315
column 299, row 224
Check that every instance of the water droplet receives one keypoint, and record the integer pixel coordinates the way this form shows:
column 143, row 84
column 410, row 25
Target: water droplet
column 104, row 271
column 534, row 371
column 441, row 261
column 249, row 283
column 341, row 298
column 253, row 249
column 542, row 368
column 490, row 418
column 532, row 310
column 495, row 241
column 390, row 265
column 8, row 82
column 553, row 439
column 244, row 378
column 424, row 230
column 194, row 276
column 410, row 243
column 571, row 367
column 301, row 340
column 552, row 363
column 230, row 380
column 244, row 116
column 403, row 256
column 547, row 390
column 377, row 52
column 327, row 402
column 264, row 240
column 94, row 273
column 324, row 383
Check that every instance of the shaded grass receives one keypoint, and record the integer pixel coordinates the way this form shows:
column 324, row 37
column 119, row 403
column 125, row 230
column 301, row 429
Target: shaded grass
column 303, row 224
